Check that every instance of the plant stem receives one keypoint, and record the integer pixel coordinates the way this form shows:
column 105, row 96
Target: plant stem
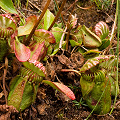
column 5, row 73
column 70, row 70
column 18, row 3
column 57, row 7
column 68, row 34
column 38, row 21
column 117, row 50
column 61, row 40
column 69, row 28
column 27, row 4
column 60, row 10
column 113, row 29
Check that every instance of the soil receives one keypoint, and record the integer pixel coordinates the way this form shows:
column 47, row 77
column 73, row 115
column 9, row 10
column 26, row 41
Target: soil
column 49, row 104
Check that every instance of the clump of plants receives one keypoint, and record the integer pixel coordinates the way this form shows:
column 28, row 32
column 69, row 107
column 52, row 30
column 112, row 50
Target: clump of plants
column 98, row 74
column 103, row 4
column 23, row 87
column 38, row 37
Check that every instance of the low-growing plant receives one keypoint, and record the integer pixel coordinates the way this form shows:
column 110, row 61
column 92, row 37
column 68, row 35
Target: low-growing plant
column 23, row 87
column 91, row 41
column 103, row 4
column 41, row 36
column 80, row 103
column 98, row 82
column 97, row 76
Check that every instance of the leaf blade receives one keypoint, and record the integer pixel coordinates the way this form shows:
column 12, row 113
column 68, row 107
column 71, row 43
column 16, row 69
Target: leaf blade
column 8, row 6
column 61, row 87
column 21, row 51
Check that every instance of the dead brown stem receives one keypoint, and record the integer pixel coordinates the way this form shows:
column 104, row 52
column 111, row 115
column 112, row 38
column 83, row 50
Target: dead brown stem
column 68, row 26
column 4, row 75
column 41, row 16
column 70, row 6
column 67, row 37
column 70, row 70
column 60, row 10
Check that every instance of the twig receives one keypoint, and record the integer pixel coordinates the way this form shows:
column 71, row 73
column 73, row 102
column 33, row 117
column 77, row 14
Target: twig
column 112, row 33
column 61, row 40
column 73, row 50
column 70, row 6
column 19, row 11
column 58, row 79
column 67, row 37
column 117, row 103
column 23, row 9
column 57, row 7
column 60, row 10
column 38, row 21
column 21, row 115
column 69, row 27
column 71, row 70
column 61, row 109
column 109, row 16
column 5, row 73
column 113, row 28
column 85, row 8
column 112, row 3
column 35, row 6
column 1, row 66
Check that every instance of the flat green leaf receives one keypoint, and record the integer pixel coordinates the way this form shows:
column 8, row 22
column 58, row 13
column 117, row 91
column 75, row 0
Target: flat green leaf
column 86, row 86
column 7, row 25
column 95, row 61
column 27, row 28
column 3, row 49
column 41, row 35
column 74, row 43
column 41, row 24
column 48, row 19
column 21, row 51
column 61, row 87
column 6, row 21
column 90, row 40
column 8, row 6
column 91, row 53
column 13, row 82
column 105, row 44
column 56, row 48
column 34, row 68
column 57, row 32
column 29, row 95
column 22, row 93
column 49, row 50
column 104, row 105
column 113, row 85
column 38, row 51
column 112, row 62
column 15, row 95
column 77, row 35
